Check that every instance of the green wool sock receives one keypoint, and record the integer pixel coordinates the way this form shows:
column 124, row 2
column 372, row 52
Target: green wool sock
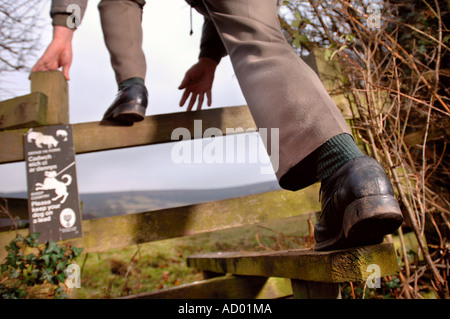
column 335, row 153
column 128, row 82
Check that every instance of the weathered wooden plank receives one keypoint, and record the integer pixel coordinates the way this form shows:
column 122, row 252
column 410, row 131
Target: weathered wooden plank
column 54, row 86
column 114, row 232
column 24, row 111
column 224, row 287
column 334, row 266
column 95, row 136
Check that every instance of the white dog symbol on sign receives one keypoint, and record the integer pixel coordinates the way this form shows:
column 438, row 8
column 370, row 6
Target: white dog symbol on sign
column 50, row 182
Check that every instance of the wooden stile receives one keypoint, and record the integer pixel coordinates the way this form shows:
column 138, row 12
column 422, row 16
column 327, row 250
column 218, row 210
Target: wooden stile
column 301, row 273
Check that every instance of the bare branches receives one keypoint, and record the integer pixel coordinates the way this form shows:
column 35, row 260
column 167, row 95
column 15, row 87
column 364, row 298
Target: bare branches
column 19, row 21
column 5, row 211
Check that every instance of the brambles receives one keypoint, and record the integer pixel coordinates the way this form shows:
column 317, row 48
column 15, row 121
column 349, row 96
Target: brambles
column 19, row 39
column 394, row 79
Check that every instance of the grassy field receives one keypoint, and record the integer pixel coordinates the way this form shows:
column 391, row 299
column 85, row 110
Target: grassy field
column 158, row 265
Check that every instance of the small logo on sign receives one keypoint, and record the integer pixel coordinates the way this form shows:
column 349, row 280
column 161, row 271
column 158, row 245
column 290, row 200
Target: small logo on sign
column 67, row 218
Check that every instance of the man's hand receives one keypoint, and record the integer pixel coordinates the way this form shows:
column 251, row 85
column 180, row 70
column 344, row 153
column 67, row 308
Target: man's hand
column 198, row 81
column 58, row 53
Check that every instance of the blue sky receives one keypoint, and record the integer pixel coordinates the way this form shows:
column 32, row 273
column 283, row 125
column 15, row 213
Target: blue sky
column 170, row 51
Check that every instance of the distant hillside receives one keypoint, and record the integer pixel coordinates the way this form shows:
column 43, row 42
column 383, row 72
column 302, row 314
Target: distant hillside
column 118, row 203
column 97, row 205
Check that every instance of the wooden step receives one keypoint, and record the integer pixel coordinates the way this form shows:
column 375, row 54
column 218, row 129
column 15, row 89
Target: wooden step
column 304, row 264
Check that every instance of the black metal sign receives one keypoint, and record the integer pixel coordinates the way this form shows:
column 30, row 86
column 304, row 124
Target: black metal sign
column 53, row 200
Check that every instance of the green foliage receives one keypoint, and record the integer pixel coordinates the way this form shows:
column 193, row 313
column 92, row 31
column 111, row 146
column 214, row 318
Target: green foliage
column 299, row 39
column 21, row 270
column 332, row 49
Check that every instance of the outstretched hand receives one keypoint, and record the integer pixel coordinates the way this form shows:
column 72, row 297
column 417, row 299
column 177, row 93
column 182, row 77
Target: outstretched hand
column 58, row 53
column 197, row 82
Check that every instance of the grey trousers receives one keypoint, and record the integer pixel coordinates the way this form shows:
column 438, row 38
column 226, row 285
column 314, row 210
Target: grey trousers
column 122, row 31
column 281, row 90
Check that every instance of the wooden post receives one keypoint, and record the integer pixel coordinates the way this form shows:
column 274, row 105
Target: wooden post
column 54, row 85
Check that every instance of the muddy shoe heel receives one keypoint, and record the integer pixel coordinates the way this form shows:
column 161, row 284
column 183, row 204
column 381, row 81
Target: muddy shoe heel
column 369, row 219
column 358, row 206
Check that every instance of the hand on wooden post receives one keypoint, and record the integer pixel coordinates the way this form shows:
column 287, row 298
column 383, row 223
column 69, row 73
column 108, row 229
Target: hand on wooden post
column 58, row 53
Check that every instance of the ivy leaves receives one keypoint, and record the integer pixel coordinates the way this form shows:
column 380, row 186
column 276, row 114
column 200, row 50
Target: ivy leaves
column 47, row 266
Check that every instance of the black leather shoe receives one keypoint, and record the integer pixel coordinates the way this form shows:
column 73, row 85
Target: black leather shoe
column 358, row 206
column 129, row 105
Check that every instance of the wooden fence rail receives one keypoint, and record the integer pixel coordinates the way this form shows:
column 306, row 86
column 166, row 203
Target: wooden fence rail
column 153, row 130
column 120, row 231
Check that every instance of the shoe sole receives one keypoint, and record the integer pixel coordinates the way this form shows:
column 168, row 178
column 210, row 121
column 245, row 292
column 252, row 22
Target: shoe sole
column 366, row 221
column 127, row 113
